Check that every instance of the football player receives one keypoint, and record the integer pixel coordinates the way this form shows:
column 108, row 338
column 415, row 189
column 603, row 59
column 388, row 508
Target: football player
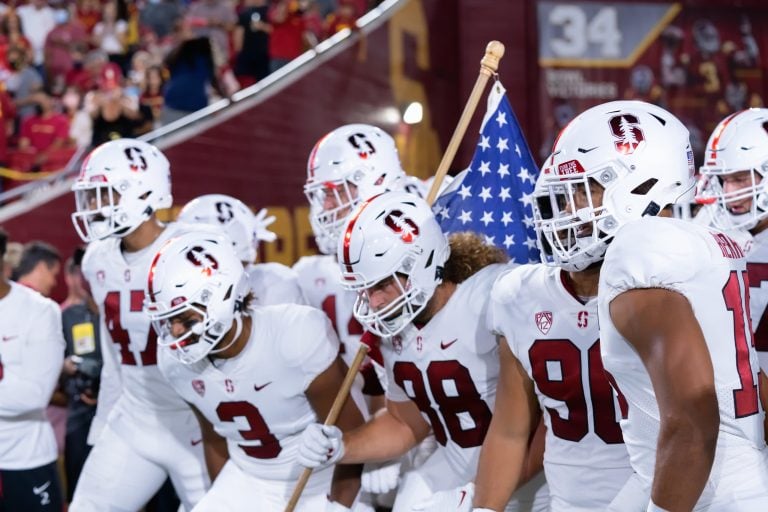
column 427, row 299
column 31, row 356
column 675, row 338
column 550, row 364
column 150, row 432
column 255, row 377
column 271, row 283
column 349, row 164
column 735, row 163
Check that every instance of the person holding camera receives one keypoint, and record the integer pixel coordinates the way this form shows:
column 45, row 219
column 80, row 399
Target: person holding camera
column 82, row 367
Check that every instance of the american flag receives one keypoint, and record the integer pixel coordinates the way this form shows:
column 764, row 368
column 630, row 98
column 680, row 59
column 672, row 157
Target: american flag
column 494, row 196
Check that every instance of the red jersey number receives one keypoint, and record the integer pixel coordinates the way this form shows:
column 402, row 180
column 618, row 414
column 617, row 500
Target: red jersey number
column 465, row 400
column 269, row 446
column 120, row 335
column 568, row 387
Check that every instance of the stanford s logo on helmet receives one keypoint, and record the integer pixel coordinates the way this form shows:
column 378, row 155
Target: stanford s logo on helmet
column 403, row 226
column 626, row 128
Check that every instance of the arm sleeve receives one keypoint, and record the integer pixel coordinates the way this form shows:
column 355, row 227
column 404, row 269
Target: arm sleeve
column 29, row 387
column 315, row 346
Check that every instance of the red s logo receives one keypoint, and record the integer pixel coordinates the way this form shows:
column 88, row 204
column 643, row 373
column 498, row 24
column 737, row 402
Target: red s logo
column 199, row 258
column 626, row 129
column 403, row 226
column 136, row 159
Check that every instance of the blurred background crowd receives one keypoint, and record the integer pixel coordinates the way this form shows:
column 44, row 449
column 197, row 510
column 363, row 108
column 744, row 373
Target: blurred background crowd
column 74, row 74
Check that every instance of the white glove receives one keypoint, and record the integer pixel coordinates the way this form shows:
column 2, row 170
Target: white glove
column 458, row 499
column 262, row 222
column 320, row 446
column 381, row 477
column 333, row 506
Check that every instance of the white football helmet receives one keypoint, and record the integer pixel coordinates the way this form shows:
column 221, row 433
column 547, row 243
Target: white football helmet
column 232, row 215
column 198, row 271
column 739, row 143
column 635, row 153
column 350, row 164
column 392, row 233
column 121, row 184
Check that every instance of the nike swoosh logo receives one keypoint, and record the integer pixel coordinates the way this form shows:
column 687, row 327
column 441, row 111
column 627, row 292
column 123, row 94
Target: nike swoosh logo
column 195, row 442
column 444, row 345
column 585, row 150
column 38, row 490
column 259, row 388
column 463, row 495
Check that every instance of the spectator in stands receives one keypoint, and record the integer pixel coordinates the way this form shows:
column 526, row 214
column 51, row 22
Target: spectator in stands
column 11, row 35
column 65, row 44
column 152, row 92
column 43, row 139
column 37, row 20
column 23, row 83
column 82, row 367
column 88, row 76
column 215, row 19
column 314, row 19
column 7, row 123
column 80, row 122
column 191, row 69
column 89, row 13
column 109, row 34
column 344, row 17
column 289, row 34
column 251, row 43
column 39, row 267
column 161, row 16
column 114, row 113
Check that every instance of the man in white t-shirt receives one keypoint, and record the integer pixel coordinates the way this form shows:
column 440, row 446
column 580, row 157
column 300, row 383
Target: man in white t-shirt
column 31, row 356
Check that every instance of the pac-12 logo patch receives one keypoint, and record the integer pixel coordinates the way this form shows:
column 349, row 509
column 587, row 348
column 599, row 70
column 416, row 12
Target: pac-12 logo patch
column 544, row 321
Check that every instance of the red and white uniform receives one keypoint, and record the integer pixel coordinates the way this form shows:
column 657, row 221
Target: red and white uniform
column 150, row 432
column 555, row 336
column 757, row 270
column 257, row 401
column 709, row 270
column 274, row 283
column 449, row 368
column 31, row 354
column 320, row 280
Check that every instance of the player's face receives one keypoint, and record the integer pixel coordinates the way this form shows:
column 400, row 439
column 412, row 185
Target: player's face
column 181, row 324
column 334, row 195
column 734, row 182
column 582, row 194
column 97, row 198
column 381, row 294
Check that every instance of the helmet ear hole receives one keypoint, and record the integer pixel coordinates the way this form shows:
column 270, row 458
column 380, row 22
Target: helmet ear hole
column 645, row 187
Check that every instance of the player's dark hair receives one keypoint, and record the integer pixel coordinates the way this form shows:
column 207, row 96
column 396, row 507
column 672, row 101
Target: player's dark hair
column 3, row 242
column 469, row 254
column 34, row 252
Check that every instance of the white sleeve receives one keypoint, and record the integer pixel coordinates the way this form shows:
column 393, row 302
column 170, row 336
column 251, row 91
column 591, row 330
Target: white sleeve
column 394, row 393
column 29, row 387
column 315, row 347
column 286, row 291
column 668, row 258
column 111, row 383
column 505, row 291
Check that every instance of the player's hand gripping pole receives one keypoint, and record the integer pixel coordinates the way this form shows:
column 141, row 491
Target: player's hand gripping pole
column 488, row 66
column 333, row 415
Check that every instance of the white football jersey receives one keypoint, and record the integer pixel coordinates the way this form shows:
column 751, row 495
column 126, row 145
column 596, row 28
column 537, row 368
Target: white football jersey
column 256, row 400
column 129, row 344
column 274, row 283
column 31, row 355
column 708, row 268
column 757, row 270
column 449, row 368
column 320, row 280
column 555, row 336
